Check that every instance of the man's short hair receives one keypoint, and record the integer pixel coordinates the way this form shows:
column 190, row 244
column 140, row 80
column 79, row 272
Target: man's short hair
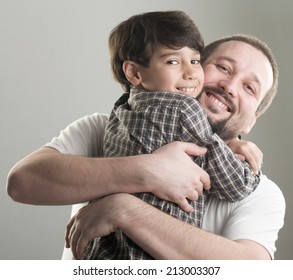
column 259, row 45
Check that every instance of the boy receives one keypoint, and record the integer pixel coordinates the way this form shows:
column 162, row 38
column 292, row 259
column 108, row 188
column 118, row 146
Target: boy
column 156, row 58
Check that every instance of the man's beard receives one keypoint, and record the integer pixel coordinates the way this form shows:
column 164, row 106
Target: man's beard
column 223, row 128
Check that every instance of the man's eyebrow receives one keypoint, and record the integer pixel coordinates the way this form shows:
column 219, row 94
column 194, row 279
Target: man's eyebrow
column 224, row 57
column 233, row 61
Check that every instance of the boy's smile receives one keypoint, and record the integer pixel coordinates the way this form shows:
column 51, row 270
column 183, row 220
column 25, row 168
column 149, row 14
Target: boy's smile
column 173, row 70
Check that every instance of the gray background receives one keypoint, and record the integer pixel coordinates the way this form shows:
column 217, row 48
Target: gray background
column 54, row 68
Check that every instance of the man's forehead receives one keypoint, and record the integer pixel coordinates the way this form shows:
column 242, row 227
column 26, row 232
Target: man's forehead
column 233, row 49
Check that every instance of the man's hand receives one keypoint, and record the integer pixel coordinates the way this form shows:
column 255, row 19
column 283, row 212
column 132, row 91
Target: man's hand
column 159, row 234
column 93, row 220
column 175, row 177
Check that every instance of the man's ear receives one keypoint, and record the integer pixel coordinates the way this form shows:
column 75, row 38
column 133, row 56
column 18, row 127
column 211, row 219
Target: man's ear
column 131, row 73
column 250, row 126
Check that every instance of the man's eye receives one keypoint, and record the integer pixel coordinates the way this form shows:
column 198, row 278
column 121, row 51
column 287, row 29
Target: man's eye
column 223, row 68
column 249, row 89
column 195, row 61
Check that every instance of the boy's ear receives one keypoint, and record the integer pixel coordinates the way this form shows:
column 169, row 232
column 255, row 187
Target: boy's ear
column 130, row 69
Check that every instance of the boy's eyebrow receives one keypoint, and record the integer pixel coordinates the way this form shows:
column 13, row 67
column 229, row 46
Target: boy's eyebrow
column 166, row 54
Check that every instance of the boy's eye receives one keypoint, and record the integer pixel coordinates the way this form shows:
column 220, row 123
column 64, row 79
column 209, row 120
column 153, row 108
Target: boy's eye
column 195, row 61
column 173, row 62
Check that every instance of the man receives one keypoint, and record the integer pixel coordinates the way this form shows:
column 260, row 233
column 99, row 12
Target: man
column 160, row 54
column 240, row 83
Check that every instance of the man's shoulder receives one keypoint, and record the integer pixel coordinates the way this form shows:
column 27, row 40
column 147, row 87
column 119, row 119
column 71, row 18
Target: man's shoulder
column 266, row 200
column 267, row 197
column 95, row 120
column 268, row 187
column 95, row 117
column 83, row 136
column 267, row 192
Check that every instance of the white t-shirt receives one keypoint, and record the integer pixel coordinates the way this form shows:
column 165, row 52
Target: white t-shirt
column 258, row 217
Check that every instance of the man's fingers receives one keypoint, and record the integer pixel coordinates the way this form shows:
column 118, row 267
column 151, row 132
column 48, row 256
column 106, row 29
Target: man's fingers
column 81, row 246
column 73, row 242
column 205, row 180
column 193, row 150
column 67, row 233
column 185, row 206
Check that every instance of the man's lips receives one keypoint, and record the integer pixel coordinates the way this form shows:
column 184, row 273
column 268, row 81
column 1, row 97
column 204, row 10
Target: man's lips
column 219, row 102
column 219, row 98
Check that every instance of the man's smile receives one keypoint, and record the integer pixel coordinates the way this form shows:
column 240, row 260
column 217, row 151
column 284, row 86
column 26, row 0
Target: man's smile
column 215, row 99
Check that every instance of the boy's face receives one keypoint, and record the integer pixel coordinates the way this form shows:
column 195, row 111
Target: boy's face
column 174, row 70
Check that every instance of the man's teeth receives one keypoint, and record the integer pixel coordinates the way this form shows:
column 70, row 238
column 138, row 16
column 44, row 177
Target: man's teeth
column 219, row 103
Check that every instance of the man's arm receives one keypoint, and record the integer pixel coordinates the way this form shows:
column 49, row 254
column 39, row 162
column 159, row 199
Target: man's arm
column 47, row 177
column 186, row 241
column 140, row 221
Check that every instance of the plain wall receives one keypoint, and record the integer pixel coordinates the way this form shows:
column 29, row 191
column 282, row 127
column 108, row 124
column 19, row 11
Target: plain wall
column 54, row 69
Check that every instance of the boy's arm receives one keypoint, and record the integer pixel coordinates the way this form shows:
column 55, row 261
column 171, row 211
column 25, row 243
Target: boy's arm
column 231, row 178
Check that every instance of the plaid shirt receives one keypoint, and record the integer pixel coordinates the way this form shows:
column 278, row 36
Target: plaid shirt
column 142, row 122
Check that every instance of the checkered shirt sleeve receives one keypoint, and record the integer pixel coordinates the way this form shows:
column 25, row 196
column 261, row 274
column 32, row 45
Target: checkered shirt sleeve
column 143, row 122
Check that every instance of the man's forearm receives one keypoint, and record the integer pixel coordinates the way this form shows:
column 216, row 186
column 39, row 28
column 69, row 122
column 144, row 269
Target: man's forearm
column 48, row 177
column 165, row 237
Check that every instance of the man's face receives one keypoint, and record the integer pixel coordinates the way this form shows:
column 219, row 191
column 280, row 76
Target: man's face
column 237, row 77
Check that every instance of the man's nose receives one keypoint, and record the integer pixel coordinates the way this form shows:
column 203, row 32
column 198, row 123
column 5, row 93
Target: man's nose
column 229, row 85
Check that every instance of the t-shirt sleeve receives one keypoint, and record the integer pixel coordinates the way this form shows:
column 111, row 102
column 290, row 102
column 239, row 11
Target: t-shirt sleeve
column 83, row 137
column 259, row 217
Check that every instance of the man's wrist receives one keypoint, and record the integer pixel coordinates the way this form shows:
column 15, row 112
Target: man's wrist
column 123, row 209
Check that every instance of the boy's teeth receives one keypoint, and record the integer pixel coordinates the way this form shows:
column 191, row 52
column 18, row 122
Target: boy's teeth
column 186, row 89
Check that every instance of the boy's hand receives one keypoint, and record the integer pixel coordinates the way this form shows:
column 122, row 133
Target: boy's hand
column 248, row 151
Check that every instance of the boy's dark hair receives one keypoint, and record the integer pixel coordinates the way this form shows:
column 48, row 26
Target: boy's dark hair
column 136, row 38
